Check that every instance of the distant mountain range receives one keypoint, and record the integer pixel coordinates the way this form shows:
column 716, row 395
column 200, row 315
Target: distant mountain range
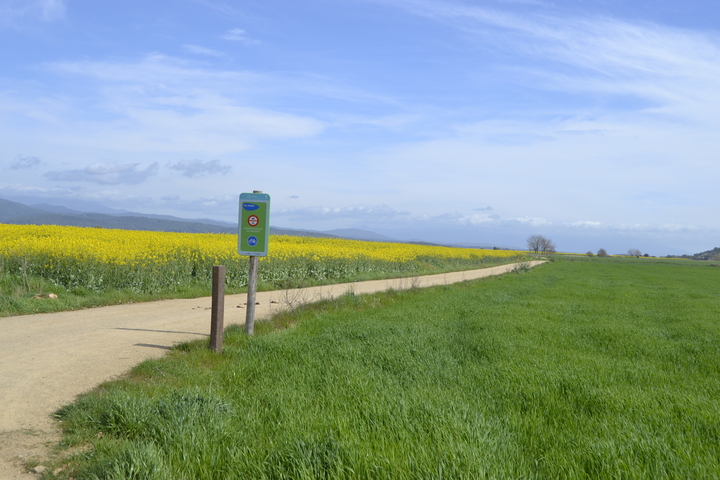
column 45, row 214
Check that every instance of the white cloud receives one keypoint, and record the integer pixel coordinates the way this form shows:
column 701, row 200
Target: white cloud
column 481, row 219
column 106, row 174
column 585, row 223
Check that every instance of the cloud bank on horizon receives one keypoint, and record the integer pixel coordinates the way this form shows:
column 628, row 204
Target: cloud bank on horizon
column 449, row 121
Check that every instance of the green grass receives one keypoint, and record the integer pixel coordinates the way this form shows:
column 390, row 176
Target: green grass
column 586, row 370
column 27, row 294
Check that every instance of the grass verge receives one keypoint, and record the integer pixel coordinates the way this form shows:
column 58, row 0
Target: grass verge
column 572, row 370
column 29, row 294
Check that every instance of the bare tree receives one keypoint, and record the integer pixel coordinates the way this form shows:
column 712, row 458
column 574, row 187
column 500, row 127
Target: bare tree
column 602, row 253
column 535, row 242
column 634, row 252
column 548, row 246
column 538, row 243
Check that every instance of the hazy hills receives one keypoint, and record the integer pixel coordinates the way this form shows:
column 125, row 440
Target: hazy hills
column 19, row 214
column 44, row 214
column 713, row 254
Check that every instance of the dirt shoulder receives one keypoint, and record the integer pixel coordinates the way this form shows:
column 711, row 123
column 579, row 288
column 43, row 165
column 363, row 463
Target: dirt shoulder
column 46, row 360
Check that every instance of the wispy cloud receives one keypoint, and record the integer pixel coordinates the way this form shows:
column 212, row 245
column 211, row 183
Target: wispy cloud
column 161, row 103
column 239, row 35
column 220, row 7
column 106, row 174
column 673, row 66
column 198, row 168
column 198, row 50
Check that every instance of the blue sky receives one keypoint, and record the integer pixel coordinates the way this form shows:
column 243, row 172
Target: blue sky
column 591, row 122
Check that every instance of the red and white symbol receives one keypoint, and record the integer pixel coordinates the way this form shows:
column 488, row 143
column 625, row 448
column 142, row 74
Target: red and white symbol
column 253, row 220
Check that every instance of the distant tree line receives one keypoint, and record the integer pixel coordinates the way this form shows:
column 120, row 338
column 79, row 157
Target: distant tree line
column 713, row 254
column 541, row 244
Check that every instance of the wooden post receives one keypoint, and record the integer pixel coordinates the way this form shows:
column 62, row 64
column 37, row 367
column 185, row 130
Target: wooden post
column 217, row 315
column 252, row 289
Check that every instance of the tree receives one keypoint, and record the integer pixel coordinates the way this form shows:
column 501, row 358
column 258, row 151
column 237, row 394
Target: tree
column 602, row 253
column 548, row 246
column 538, row 243
column 534, row 243
column 634, row 252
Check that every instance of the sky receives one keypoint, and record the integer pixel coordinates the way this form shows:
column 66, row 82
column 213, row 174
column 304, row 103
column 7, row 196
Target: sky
column 593, row 123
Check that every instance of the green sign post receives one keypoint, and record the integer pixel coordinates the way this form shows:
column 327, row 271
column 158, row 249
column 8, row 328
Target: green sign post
column 254, row 224
column 253, row 237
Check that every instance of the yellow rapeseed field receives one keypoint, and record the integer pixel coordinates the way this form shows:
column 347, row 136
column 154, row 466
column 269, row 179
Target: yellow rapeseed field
column 142, row 260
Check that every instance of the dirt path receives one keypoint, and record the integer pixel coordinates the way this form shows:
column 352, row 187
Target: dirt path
column 46, row 360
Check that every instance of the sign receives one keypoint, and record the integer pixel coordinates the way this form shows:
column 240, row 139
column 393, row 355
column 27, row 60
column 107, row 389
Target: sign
column 254, row 224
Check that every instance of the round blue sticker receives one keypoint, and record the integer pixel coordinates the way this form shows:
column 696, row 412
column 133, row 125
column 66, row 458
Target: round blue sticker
column 252, row 241
column 250, row 206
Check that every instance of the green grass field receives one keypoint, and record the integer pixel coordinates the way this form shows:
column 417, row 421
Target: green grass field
column 574, row 370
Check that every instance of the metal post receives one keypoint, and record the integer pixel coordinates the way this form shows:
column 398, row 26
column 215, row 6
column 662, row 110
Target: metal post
column 252, row 289
column 217, row 315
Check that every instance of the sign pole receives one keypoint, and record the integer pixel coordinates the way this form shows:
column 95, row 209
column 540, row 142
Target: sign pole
column 253, row 236
column 252, row 289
